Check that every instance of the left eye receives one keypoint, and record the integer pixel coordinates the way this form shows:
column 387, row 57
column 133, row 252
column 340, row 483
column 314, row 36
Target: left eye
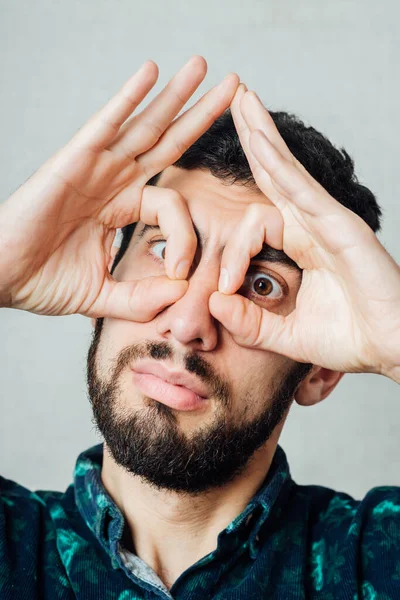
column 158, row 248
column 262, row 285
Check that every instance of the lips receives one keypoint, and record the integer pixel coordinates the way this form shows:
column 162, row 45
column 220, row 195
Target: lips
column 179, row 390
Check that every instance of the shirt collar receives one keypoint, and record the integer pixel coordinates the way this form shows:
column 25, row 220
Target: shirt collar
column 249, row 524
column 106, row 521
column 97, row 508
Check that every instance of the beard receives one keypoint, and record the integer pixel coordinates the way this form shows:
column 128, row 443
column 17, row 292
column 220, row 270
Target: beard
column 148, row 443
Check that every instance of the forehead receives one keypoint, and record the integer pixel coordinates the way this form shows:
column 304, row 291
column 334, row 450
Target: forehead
column 211, row 201
column 216, row 208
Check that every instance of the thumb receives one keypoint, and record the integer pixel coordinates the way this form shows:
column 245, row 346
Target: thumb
column 249, row 324
column 139, row 300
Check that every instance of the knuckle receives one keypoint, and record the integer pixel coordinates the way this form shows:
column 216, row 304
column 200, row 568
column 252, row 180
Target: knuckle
column 128, row 153
column 126, row 99
column 255, row 210
column 210, row 113
column 255, row 214
column 180, row 146
column 110, row 123
column 155, row 129
column 174, row 197
column 186, row 235
column 180, row 98
column 304, row 195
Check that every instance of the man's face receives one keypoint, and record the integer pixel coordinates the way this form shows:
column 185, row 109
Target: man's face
column 179, row 441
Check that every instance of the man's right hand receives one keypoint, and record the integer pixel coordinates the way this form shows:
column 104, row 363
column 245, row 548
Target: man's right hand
column 56, row 231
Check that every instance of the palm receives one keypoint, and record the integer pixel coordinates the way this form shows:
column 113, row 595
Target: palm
column 75, row 224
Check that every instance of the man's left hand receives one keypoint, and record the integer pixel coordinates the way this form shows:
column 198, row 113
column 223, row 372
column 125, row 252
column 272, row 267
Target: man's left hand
column 347, row 314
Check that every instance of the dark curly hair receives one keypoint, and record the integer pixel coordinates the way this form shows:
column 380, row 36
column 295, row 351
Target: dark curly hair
column 219, row 151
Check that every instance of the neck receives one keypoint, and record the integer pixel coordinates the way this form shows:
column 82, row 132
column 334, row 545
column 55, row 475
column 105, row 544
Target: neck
column 154, row 517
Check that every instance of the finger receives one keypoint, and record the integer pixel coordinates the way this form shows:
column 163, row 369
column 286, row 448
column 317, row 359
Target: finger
column 162, row 207
column 168, row 209
column 256, row 116
column 138, row 300
column 297, row 187
column 240, row 124
column 103, row 126
column 252, row 326
column 261, row 178
column 188, row 127
column 242, row 128
column 261, row 224
column 142, row 132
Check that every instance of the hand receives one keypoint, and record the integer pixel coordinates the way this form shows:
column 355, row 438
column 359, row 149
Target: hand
column 347, row 314
column 56, row 231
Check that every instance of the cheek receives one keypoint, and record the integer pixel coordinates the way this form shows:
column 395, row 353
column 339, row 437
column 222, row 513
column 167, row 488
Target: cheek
column 117, row 335
column 260, row 365
column 256, row 374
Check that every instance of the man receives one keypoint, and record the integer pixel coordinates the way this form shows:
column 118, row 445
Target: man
column 252, row 277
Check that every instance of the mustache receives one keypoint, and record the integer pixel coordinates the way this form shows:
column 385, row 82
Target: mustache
column 192, row 362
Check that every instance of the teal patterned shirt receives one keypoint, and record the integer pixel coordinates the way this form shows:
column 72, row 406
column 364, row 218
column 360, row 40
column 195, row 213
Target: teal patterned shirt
column 290, row 542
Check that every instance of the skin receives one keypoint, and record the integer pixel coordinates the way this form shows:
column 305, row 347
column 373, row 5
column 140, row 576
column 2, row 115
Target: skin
column 188, row 324
column 56, row 234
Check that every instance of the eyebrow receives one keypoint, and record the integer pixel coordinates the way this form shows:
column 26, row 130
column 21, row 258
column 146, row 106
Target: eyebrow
column 266, row 254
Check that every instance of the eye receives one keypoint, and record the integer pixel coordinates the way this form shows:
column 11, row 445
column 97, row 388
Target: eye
column 158, row 248
column 261, row 285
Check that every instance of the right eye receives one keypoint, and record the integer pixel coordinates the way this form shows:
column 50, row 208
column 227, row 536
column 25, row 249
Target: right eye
column 158, row 248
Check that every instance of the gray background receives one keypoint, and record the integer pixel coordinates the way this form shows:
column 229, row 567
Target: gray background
column 334, row 63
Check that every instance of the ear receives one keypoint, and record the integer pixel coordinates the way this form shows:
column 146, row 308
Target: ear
column 318, row 384
column 113, row 253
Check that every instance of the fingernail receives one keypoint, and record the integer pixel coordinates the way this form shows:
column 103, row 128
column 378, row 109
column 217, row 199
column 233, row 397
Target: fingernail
column 223, row 280
column 182, row 269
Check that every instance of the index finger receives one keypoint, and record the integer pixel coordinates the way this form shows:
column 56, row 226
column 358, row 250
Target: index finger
column 261, row 224
column 256, row 116
column 167, row 209
column 295, row 184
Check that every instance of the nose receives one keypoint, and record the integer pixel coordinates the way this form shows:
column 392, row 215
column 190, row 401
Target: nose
column 189, row 320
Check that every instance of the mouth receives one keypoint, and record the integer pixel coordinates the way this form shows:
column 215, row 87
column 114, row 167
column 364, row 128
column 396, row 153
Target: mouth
column 178, row 390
